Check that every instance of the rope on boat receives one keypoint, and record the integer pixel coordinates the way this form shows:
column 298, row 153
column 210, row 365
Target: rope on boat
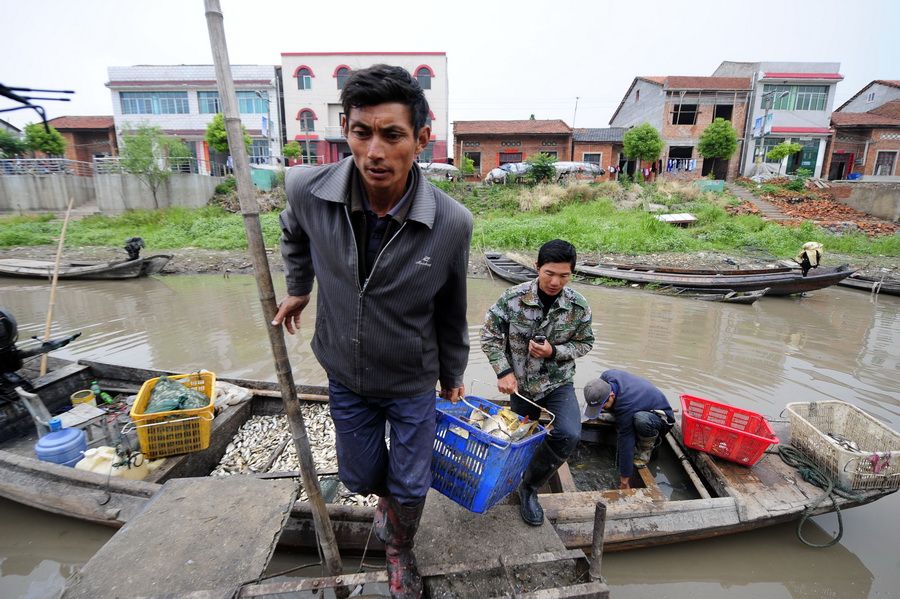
column 813, row 475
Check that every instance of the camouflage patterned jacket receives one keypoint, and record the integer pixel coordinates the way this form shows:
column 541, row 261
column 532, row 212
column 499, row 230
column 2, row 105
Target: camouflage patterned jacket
column 517, row 317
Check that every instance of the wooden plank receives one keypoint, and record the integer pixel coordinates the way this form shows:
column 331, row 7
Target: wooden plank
column 240, row 520
column 564, row 482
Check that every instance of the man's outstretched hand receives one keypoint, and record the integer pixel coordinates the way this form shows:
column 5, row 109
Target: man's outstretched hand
column 289, row 312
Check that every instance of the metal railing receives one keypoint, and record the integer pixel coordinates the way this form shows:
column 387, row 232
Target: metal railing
column 45, row 167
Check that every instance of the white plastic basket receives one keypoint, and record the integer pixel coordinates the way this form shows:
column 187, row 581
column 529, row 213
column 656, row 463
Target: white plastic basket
column 875, row 467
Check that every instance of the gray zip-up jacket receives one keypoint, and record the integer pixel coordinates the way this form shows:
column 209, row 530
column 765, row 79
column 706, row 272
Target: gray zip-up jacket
column 402, row 329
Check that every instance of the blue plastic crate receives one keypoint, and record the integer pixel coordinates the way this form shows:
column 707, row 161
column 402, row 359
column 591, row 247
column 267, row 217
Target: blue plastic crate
column 471, row 467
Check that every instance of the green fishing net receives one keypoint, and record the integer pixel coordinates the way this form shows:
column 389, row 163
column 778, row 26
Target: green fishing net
column 171, row 395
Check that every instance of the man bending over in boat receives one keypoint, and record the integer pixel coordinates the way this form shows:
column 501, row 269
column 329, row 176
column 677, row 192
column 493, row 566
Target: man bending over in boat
column 532, row 336
column 642, row 412
column 389, row 252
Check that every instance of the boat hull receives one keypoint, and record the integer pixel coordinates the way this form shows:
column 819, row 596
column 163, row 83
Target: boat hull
column 118, row 269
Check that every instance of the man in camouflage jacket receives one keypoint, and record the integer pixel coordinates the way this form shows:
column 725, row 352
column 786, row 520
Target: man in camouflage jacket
column 532, row 336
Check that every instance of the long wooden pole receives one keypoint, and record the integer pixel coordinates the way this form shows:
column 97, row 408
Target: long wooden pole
column 59, row 249
column 250, row 211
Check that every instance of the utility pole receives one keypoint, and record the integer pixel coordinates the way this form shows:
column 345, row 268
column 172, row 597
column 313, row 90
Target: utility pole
column 250, row 211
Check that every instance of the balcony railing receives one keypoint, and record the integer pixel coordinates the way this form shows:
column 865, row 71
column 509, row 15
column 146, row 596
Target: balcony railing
column 45, row 167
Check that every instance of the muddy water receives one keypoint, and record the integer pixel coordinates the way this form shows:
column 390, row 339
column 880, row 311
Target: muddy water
column 833, row 344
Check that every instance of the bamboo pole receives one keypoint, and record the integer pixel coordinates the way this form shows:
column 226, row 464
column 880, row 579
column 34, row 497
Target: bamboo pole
column 250, row 211
column 59, row 249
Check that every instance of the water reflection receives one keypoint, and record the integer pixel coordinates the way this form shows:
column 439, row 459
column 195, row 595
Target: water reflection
column 833, row 344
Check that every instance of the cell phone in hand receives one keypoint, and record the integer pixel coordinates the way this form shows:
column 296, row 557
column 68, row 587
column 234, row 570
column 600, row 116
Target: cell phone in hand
column 539, row 339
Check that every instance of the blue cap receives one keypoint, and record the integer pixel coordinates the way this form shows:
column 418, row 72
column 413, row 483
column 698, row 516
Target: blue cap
column 55, row 424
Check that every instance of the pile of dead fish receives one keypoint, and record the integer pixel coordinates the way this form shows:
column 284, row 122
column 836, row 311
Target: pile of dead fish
column 264, row 444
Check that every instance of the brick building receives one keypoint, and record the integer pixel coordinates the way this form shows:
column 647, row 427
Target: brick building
column 87, row 137
column 599, row 146
column 312, row 83
column 492, row 143
column 681, row 108
column 183, row 99
column 866, row 133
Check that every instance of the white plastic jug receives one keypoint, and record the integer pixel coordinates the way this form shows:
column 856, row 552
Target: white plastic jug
column 101, row 460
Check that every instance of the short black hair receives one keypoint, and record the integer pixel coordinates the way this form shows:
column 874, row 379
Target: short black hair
column 383, row 83
column 557, row 250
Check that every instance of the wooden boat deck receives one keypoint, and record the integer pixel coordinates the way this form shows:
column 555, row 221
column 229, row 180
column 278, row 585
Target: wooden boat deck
column 158, row 553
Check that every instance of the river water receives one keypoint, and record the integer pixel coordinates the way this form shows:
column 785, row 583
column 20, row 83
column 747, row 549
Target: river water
column 833, row 344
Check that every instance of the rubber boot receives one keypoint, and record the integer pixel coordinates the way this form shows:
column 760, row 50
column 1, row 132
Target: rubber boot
column 644, row 450
column 395, row 526
column 542, row 466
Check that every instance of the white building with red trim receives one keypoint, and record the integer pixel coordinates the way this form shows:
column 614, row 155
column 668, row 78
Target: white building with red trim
column 312, row 83
column 182, row 100
column 799, row 97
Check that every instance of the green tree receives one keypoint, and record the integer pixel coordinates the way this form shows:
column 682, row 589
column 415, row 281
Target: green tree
column 39, row 139
column 11, row 145
column 719, row 140
column 291, row 150
column 783, row 150
column 542, row 168
column 642, row 143
column 217, row 137
column 149, row 154
column 466, row 166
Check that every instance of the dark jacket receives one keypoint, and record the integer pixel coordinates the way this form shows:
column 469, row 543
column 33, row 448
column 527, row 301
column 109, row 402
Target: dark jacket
column 635, row 394
column 402, row 329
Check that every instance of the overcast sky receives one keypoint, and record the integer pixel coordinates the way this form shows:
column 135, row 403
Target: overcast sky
column 507, row 60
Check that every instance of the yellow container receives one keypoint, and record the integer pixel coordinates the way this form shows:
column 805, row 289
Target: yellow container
column 83, row 396
column 175, row 431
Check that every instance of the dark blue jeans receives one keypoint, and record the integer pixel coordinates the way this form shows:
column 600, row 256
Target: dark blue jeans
column 566, row 431
column 648, row 424
column 365, row 465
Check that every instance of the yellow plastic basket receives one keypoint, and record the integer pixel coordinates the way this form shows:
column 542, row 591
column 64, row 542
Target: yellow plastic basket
column 174, row 432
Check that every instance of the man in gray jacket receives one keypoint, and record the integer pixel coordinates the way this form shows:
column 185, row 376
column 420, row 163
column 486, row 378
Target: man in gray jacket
column 390, row 254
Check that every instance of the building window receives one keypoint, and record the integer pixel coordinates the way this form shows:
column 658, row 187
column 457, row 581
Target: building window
column 208, row 102
column 423, row 76
column 637, row 95
column 771, row 142
column 427, row 154
column 684, row 114
column 307, row 120
column 341, row 74
column 723, row 111
column 798, row 97
column 550, row 153
column 475, row 157
column 154, row 102
column 593, row 158
column 304, row 78
column 884, row 163
column 681, row 152
column 508, row 157
column 253, row 102
column 259, row 151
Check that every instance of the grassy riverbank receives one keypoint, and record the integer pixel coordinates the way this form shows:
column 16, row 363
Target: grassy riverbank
column 603, row 218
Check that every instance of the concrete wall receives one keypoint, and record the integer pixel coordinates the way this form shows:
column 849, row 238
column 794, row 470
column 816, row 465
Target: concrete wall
column 117, row 193
column 878, row 199
column 24, row 193
column 883, row 95
column 643, row 105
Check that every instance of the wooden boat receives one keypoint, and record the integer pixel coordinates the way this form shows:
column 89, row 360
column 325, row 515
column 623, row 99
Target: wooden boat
column 729, row 498
column 508, row 269
column 116, row 269
column 888, row 286
column 780, row 281
column 728, row 296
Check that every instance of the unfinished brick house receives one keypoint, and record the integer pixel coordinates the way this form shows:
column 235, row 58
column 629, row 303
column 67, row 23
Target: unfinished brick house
column 492, row 143
column 87, row 136
column 681, row 108
column 865, row 140
column 599, row 146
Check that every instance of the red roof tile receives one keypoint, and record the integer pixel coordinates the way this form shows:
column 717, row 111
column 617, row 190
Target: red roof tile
column 889, row 109
column 81, row 122
column 710, row 83
column 887, row 115
column 526, row 127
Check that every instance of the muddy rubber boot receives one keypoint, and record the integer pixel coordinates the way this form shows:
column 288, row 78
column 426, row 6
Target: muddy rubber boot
column 395, row 526
column 644, row 449
column 542, row 466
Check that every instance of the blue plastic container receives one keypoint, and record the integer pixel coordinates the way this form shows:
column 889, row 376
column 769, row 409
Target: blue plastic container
column 471, row 467
column 65, row 446
column 854, row 176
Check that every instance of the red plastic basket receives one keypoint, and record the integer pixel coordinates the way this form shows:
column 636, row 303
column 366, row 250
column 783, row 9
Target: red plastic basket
column 724, row 431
